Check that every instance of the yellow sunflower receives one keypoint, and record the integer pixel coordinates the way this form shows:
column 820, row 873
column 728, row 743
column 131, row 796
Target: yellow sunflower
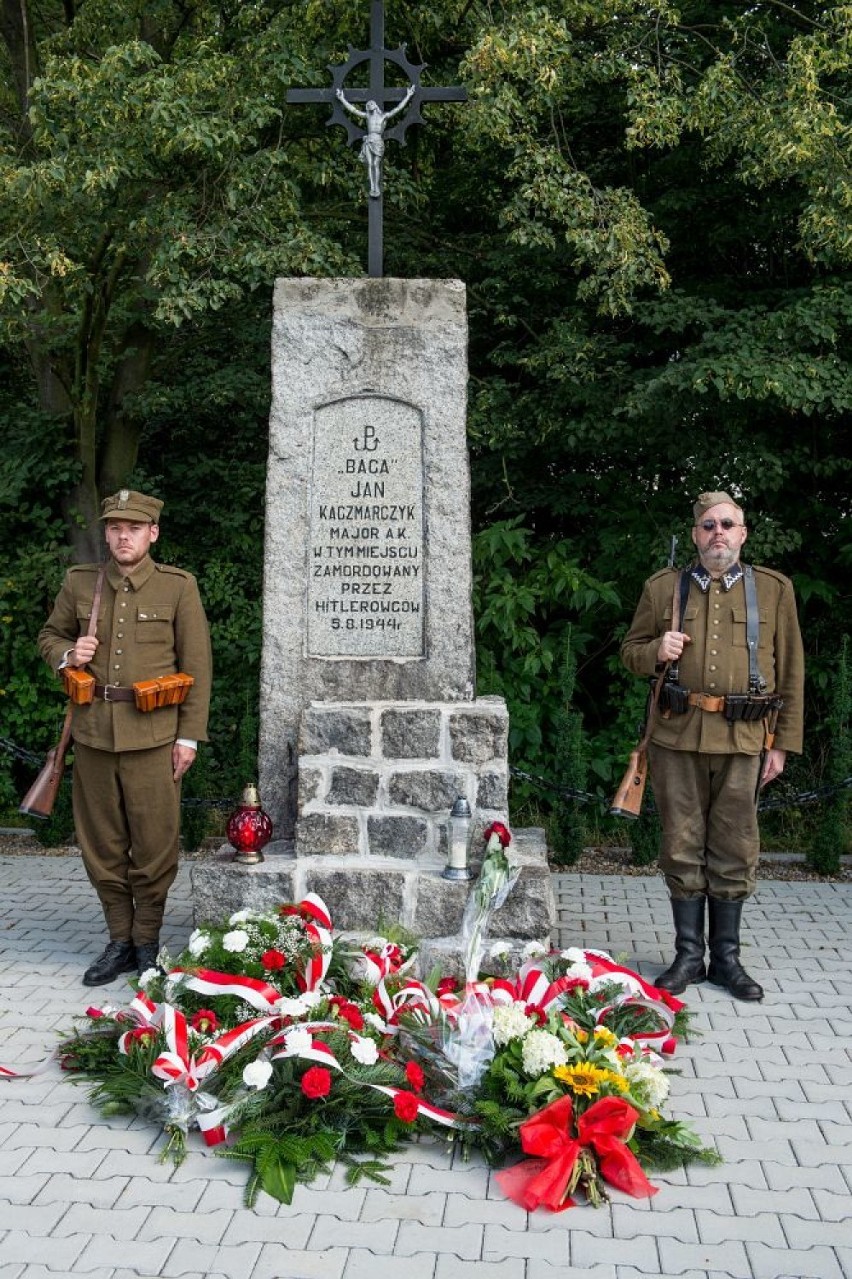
column 584, row 1079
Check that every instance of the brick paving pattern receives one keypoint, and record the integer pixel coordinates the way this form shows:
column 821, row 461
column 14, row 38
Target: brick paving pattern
column 770, row 1084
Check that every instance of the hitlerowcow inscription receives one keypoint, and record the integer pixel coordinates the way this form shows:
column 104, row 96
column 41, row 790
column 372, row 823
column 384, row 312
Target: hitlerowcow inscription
column 366, row 595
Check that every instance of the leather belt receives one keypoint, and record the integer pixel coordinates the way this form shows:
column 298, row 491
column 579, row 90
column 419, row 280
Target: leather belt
column 706, row 702
column 114, row 693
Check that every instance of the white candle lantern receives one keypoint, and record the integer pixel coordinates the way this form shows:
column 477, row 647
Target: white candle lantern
column 458, row 834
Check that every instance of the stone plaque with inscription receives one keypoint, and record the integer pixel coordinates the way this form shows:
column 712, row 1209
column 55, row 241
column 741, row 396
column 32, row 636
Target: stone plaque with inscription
column 366, row 576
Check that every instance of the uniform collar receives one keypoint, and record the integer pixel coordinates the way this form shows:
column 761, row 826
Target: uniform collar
column 703, row 579
column 136, row 579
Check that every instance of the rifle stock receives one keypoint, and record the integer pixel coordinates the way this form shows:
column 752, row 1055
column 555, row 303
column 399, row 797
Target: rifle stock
column 41, row 797
column 628, row 798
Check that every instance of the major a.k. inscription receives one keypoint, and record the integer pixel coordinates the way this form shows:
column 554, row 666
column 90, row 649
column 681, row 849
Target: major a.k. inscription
column 366, row 589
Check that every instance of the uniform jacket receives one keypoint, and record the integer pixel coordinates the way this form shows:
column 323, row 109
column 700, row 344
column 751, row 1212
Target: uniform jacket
column 716, row 661
column 150, row 623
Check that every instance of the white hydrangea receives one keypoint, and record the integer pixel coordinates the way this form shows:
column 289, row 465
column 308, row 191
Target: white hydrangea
column 236, row 941
column 510, row 1021
column 542, row 1051
column 364, row 1051
column 257, row 1074
column 649, row 1084
column 199, row 941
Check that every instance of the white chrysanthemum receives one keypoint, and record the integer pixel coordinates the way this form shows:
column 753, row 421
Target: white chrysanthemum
column 257, row 1074
column 235, row 941
column 149, row 975
column 290, row 1007
column 542, row 1051
column 510, row 1021
column 500, row 950
column 199, row 941
column 374, row 1020
column 310, row 998
column 649, row 1084
column 364, row 1051
column 246, row 916
column 573, row 955
column 299, row 1041
column 533, row 949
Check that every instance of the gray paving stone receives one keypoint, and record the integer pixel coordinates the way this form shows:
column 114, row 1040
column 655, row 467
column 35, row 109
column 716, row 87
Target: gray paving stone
column 460, row 1241
column 431, row 1209
column 730, row 1257
column 811, row 1263
column 364, row 1265
column 499, row 1243
column 188, row 1256
column 454, row 1268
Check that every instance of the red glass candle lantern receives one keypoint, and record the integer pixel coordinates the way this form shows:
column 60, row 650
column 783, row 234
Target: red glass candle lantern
column 249, row 828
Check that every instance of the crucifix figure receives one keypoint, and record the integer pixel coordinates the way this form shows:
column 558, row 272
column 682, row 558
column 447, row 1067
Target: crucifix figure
column 373, row 144
column 381, row 104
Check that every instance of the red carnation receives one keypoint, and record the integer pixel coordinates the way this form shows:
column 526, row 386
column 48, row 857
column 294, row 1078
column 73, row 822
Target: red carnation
column 447, row 985
column 205, row 1021
column 273, row 959
column 351, row 1013
column 501, row 831
column 143, row 1036
column 415, row 1076
column 316, row 1082
column 406, row 1107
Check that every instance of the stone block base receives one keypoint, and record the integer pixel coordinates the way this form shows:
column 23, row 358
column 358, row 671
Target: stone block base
column 372, row 894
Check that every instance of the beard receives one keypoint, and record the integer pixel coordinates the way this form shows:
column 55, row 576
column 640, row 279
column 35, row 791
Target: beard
column 717, row 559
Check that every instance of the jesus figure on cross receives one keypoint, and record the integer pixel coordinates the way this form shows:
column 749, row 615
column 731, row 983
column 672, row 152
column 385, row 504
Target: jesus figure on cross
column 373, row 145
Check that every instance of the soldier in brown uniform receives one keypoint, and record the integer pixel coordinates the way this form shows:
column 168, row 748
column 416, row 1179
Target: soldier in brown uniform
column 709, row 750
column 128, row 764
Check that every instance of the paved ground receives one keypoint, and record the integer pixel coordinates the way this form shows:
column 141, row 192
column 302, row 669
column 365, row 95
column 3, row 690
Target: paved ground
column 770, row 1084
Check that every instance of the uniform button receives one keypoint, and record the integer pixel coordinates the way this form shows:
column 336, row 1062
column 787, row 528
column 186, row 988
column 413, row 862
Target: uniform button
column 119, row 651
column 715, row 605
column 712, row 685
column 712, row 668
column 117, row 667
column 119, row 635
column 713, row 651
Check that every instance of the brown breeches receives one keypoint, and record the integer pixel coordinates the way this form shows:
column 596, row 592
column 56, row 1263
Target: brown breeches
column 711, row 842
column 127, row 817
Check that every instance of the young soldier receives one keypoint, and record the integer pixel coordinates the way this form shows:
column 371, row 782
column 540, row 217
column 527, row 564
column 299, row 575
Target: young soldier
column 128, row 763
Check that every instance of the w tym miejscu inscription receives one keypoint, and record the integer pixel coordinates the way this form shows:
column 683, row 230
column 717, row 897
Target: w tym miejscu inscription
column 366, row 595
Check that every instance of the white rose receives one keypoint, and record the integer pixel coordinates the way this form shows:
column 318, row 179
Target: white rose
column 235, row 941
column 257, row 1074
column 364, row 1051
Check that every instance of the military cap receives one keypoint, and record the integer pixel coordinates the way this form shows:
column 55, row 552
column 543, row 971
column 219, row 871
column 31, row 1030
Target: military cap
column 706, row 500
column 127, row 504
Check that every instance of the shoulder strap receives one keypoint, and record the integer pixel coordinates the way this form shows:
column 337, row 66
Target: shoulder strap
column 756, row 682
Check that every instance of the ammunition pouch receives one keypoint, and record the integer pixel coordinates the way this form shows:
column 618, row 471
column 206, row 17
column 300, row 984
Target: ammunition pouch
column 79, row 685
column 673, row 698
column 167, row 690
column 749, row 708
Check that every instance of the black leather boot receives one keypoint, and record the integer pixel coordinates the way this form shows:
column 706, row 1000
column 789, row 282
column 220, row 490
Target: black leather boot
column 118, row 957
column 688, row 963
column 725, row 967
column 146, row 956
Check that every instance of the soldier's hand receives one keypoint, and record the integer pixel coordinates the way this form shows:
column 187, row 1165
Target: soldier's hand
column 773, row 765
column 83, row 651
column 182, row 759
column 672, row 645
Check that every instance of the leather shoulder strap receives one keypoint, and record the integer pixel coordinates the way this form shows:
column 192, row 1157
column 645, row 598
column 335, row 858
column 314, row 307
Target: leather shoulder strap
column 96, row 600
column 756, row 682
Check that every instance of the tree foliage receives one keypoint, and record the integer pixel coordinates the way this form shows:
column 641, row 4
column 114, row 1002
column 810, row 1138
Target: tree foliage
column 649, row 204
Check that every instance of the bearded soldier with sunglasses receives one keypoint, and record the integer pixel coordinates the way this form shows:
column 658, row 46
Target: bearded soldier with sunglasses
column 730, row 710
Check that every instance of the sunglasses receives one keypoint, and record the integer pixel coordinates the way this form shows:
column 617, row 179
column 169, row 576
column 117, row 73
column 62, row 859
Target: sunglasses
column 709, row 525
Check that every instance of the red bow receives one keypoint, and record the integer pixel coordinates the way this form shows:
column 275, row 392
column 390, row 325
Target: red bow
column 604, row 1127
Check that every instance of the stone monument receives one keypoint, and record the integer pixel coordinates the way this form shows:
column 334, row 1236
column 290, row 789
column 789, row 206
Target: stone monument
column 370, row 728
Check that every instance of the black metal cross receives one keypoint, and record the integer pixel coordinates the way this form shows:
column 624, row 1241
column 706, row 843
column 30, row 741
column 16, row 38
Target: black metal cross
column 377, row 55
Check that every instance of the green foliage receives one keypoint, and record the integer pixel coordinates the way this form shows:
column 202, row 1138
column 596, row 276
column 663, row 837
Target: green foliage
column 644, row 834
column 831, row 837
column 567, row 829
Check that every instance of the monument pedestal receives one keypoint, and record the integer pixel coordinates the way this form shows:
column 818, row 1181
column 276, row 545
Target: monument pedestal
column 368, row 894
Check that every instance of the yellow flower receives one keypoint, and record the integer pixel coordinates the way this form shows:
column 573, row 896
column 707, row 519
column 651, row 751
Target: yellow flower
column 582, row 1036
column 584, row 1079
column 605, row 1036
column 619, row 1083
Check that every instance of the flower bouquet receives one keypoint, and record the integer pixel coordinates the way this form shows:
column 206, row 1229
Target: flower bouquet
column 288, row 1047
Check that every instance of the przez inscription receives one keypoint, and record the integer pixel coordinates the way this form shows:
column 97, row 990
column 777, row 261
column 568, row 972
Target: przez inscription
column 366, row 590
